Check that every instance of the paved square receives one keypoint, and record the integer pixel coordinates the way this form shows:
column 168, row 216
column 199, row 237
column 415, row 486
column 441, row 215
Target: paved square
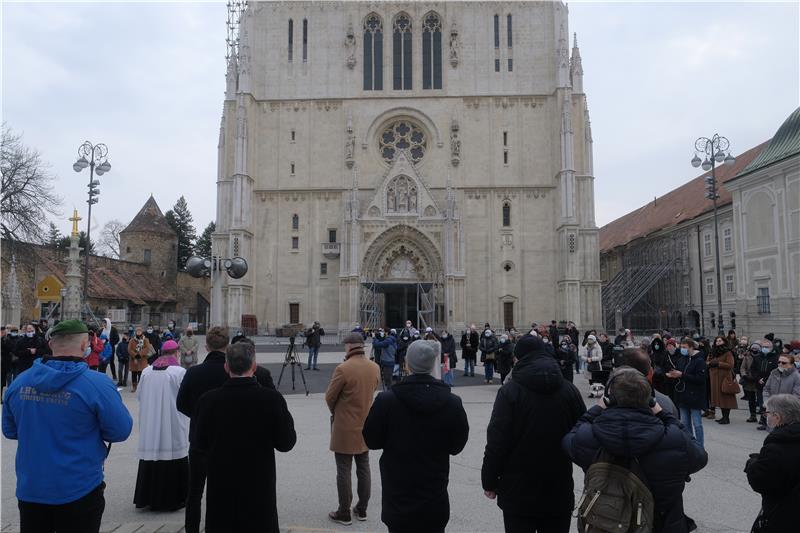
column 718, row 498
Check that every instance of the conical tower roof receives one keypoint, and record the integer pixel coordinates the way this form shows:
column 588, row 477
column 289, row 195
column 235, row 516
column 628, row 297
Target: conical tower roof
column 150, row 219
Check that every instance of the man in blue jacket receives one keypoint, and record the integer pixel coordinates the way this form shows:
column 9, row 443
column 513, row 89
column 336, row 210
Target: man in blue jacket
column 62, row 414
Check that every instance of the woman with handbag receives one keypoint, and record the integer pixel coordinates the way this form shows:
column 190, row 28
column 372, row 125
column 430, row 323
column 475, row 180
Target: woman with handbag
column 774, row 472
column 723, row 383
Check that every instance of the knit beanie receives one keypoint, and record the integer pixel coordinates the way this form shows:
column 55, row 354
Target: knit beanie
column 421, row 357
column 528, row 344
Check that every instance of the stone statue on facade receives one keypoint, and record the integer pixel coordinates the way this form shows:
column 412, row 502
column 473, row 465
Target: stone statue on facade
column 350, row 47
column 454, row 45
column 455, row 144
column 350, row 144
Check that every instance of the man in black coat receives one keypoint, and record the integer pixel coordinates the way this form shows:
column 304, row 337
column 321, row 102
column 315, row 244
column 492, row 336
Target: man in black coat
column 237, row 428
column 418, row 424
column 629, row 428
column 524, row 466
column 198, row 380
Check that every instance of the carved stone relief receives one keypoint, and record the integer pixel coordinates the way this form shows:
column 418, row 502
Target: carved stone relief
column 350, row 47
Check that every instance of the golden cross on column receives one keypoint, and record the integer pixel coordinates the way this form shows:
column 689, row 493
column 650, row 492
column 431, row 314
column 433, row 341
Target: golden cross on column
column 74, row 219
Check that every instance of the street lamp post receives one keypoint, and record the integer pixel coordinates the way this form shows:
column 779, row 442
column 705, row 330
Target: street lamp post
column 98, row 164
column 716, row 150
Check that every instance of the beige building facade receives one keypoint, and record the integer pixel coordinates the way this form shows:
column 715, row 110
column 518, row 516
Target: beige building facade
column 391, row 160
column 658, row 262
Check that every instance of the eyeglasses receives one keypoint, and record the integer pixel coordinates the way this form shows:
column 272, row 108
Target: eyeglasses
column 784, row 363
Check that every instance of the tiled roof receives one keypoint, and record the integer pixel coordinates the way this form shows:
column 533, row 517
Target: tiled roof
column 785, row 143
column 679, row 205
column 150, row 219
column 125, row 281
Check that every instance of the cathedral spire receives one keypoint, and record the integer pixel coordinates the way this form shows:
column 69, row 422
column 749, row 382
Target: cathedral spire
column 562, row 57
column 576, row 67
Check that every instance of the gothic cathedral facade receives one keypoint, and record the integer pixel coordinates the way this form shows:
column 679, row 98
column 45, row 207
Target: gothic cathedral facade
column 380, row 161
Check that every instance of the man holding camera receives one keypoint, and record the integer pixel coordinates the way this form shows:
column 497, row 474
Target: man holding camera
column 313, row 341
column 62, row 415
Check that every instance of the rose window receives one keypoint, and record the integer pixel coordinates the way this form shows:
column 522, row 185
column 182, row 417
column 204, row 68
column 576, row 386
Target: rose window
column 402, row 135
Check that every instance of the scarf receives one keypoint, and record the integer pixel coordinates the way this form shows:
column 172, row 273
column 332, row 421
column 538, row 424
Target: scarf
column 358, row 350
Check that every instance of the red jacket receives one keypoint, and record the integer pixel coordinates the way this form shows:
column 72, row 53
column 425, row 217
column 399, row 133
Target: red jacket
column 97, row 344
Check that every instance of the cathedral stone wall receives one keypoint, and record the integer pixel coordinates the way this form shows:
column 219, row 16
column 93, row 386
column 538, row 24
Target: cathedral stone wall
column 480, row 189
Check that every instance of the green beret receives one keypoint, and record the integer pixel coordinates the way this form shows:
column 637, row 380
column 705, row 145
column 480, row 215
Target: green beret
column 68, row 327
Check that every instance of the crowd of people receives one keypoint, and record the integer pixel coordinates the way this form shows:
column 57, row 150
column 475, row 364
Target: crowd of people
column 202, row 425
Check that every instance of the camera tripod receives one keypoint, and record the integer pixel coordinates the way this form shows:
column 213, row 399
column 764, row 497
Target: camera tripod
column 291, row 359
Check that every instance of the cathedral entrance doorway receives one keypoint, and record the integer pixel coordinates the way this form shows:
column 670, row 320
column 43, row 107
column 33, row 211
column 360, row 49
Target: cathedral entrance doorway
column 400, row 304
column 401, row 280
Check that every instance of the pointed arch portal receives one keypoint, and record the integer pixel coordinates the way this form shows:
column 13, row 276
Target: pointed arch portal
column 402, row 280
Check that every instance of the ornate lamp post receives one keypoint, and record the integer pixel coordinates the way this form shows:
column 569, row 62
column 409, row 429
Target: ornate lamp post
column 716, row 150
column 93, row 156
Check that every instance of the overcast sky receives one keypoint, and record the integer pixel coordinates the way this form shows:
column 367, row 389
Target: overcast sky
column 147, row 79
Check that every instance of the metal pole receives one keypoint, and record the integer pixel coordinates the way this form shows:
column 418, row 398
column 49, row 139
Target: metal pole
column 88, row 236
column 720, row 325
column 700, row 279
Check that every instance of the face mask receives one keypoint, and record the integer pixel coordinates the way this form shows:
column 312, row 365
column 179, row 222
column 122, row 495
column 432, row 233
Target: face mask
column 14, row 333
column 29, row 334
column 782, row 369
column 564, row 346
column 445, row 335
column 684, row 351
column 488, row 334
column 149, row 330
column 797, row 364
column 87, row 351
column 239, row 333
column 171, row 326
column 765, row 351
column 590, row 342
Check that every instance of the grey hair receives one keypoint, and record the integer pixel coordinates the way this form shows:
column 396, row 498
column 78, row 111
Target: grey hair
column 785, row 405
column 240, row 357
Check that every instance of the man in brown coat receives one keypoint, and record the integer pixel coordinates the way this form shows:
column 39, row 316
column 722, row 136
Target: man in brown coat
column 349, row 397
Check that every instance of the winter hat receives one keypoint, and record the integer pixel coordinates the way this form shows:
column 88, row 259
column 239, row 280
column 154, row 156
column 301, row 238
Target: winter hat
column 353, row 338
column 770, row 336
column 591, row 338
column 428, row 330
column 393, row 331
column 671, row 342
column 755, row 347
column 528, row 344
column 795, row 345
column 421, row 357
column 169, row 346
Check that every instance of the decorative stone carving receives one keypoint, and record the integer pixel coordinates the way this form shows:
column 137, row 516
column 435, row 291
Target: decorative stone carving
column 350, row 47
column 401, row 195
column 455, row 45
column 350, row 144
column 455, row 144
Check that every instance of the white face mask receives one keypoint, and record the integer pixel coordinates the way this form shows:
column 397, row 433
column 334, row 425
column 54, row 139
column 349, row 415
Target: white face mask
column 149, row 330
column 445, row 335
column 488, row 333
column 29, row 334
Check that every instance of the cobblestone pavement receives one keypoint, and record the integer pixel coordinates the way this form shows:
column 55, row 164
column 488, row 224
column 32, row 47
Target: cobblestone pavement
column 718, row 497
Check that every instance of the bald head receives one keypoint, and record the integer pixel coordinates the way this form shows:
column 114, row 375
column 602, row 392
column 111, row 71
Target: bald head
column 69, row 345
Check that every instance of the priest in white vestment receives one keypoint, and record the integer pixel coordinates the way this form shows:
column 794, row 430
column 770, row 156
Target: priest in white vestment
column 162, row 479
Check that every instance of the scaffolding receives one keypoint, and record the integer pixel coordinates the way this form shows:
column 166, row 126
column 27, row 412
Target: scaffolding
column 649, row 291
column 429, row 302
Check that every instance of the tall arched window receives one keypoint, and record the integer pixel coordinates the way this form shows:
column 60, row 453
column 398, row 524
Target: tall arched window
column 506, row 214
column 432, row 51
column 373, row 53
column 401, row 52
column 305, row 40
column 291, row 38
column 295, row 222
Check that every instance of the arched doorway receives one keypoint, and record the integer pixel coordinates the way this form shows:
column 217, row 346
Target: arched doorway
column 401, row 280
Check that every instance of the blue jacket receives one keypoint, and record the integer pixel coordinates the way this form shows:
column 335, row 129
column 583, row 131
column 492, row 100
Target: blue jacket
column 388, row 348
column 61, row 413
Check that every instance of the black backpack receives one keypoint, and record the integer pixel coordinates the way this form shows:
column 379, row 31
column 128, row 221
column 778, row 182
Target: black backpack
column 615, row 497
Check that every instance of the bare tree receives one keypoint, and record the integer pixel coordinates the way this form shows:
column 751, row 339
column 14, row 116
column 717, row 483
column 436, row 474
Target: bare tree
column 109, row 238
column 26, row 196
